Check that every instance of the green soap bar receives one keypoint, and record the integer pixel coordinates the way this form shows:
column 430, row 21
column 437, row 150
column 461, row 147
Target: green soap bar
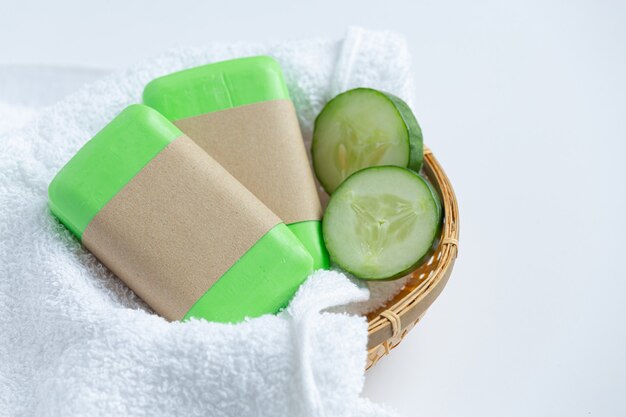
column 264, row 278
column 219, row 86
column 226, row 85
column 105, row 164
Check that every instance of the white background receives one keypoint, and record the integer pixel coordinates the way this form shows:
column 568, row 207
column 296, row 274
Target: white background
column 524, row 103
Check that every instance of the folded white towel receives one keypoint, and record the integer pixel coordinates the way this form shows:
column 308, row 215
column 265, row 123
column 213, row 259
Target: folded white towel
column 75, row 341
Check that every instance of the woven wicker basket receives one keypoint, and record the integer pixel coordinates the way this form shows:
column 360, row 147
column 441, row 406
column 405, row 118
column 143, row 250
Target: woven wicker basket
column 389, row 325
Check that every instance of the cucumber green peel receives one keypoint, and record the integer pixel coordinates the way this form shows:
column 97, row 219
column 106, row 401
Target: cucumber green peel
column 382, row 222
column 361, row 128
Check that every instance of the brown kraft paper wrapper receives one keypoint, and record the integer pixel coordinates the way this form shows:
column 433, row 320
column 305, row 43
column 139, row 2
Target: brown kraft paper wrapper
column 177, row 227
column 261, row 145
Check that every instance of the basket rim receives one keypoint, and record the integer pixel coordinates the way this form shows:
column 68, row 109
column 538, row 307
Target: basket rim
column 389, row 324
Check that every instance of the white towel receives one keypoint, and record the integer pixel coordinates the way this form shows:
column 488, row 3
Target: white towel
column 75, row 341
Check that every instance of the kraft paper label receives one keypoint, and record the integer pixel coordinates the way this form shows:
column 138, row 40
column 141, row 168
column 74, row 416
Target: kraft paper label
column 261, row 145
column 177, row 227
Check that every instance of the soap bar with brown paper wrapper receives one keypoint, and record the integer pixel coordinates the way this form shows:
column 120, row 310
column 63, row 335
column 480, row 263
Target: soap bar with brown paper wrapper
column 240, row 112
column 174, row 225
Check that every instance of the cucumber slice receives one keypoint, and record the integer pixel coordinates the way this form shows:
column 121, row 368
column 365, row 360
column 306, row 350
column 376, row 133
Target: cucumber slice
column 382, row 222
column 362, row 128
